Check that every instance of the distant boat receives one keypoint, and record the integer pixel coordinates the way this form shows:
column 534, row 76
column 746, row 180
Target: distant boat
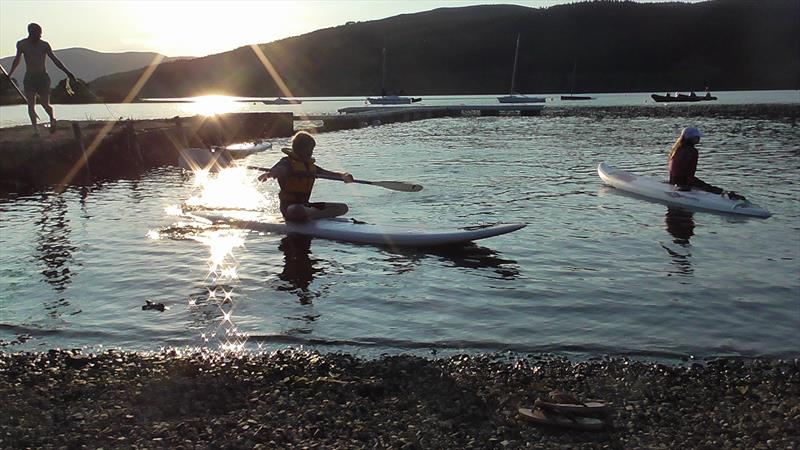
column 682, row 98
column 282, row 101
column 517, row 97
column 393, row 100
column 572, row 87
column 389, row 99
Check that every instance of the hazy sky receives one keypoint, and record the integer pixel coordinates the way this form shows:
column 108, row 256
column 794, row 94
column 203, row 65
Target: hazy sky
column 195, row 27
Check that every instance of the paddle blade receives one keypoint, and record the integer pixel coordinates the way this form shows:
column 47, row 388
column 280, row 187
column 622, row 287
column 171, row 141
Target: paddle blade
column 398, row 186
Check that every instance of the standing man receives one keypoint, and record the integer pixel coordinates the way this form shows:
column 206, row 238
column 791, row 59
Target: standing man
column 37, row 81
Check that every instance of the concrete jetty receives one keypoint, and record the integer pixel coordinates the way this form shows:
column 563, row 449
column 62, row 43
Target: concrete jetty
column 79, row 152
column 361, row 116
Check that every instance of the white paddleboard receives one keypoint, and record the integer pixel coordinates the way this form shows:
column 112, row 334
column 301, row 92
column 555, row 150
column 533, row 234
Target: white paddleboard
column 347, row 230
column 654, row 189
column 203, row 159
column 219, row 157
column 247, row 148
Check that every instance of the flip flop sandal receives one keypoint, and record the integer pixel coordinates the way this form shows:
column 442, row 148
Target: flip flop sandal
column 544, row 417
column 581, row 408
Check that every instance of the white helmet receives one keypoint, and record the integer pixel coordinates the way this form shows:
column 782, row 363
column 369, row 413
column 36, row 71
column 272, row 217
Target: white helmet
column 690, row 132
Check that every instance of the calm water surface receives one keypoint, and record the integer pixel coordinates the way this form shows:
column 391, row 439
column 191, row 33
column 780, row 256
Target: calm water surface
column 594, row 272
column 18, row 114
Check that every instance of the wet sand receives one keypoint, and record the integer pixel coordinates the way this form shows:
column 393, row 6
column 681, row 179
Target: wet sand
column 300, row 399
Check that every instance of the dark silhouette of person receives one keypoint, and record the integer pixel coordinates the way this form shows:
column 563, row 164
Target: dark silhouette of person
column 37, row 80
column 296, row 173
column 298, row 267
column 680, row 224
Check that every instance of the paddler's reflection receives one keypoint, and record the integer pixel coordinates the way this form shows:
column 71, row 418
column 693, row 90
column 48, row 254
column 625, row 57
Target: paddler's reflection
column 298, row 267
column 680, row 224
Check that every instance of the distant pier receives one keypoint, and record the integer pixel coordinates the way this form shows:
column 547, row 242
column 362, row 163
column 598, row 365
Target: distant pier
column 362, row 116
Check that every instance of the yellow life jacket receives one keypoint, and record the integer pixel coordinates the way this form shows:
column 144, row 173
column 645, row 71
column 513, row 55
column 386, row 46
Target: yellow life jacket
column 299, row 181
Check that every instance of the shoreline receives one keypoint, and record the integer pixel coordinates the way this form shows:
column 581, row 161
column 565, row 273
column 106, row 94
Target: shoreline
column 297, row 398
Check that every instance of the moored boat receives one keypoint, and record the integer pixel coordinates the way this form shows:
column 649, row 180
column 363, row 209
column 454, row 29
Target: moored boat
column 282, row 101
column 516, row 97
column 571, row 96
column 519, row 98
column 682, row 98
column 393, row 100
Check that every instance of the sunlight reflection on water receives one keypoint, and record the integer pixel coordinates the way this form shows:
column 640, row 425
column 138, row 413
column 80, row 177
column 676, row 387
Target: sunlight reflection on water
column 210, row 105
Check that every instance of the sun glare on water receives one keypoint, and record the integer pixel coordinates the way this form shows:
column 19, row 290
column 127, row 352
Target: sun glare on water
column 230, row 192
column 229, row 189
column 210, row 105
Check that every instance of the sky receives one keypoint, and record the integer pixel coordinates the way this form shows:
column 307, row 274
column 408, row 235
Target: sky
column 196, row 27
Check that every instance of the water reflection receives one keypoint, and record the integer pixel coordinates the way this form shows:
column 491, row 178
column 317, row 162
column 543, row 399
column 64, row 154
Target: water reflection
column 473, row 256
column 298, row 267
column 680, row 225
column 213, row 307
column 53, row 247
column 469, row 256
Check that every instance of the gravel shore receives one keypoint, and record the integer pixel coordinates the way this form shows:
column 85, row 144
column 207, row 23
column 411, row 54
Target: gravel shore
column 302, row 399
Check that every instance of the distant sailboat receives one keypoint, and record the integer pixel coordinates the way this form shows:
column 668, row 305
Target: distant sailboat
column 571, row 96
column 518, row 98
column 389, row 99
column 282, row 101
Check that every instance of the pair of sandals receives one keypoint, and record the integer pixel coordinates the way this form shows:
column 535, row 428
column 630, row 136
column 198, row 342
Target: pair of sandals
column 565, row 410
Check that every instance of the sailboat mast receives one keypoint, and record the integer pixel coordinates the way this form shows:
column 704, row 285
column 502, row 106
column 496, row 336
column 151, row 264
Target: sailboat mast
column 572, row 81
column 514, row 71
column 383, row 72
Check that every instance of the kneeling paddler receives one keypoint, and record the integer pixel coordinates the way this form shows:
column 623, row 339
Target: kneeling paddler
column 296, row 174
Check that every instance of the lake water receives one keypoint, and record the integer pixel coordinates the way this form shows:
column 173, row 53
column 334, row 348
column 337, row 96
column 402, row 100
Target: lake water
column 594, row 272
column 18, row 114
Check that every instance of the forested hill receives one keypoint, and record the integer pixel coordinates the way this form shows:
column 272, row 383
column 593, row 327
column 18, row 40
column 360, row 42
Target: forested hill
column 615, row 46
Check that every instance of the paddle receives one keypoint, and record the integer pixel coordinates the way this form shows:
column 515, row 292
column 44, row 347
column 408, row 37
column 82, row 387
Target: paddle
column 24, row 99
column 393, row 185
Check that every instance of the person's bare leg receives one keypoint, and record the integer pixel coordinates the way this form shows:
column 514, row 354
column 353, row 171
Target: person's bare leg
column 44, row 99
column 302, row 213
column 296, row 213
column 31, row 97
column 329, row 211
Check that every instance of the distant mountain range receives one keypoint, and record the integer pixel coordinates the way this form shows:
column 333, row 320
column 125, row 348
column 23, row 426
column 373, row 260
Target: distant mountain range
column 88, row 64
column 616, row 46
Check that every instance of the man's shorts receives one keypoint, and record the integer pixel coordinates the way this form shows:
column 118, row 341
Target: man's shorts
column 38, row 83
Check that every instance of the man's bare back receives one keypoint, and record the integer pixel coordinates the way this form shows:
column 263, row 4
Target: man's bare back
column 34, row 53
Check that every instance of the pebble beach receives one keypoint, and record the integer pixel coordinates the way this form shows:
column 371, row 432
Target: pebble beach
column 305, row 399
